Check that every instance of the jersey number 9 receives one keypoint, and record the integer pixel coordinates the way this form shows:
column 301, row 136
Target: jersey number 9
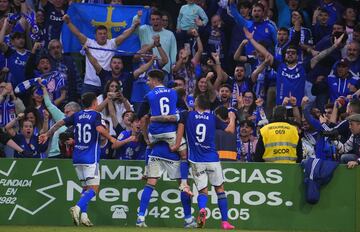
column 200, row 132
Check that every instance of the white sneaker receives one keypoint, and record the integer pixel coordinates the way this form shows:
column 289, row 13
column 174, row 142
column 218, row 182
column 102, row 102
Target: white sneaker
column 140, row 222
column 84, row 219
column 75, row 214
column 190, row 224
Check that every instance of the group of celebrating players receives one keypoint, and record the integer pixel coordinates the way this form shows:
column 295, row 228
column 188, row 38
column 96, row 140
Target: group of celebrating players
column 169, row 151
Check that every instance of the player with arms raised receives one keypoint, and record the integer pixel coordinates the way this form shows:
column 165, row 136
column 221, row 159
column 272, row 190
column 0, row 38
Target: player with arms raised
column 86, row 155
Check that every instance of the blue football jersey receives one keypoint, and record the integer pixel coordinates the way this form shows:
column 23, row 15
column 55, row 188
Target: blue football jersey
column 290, row 80
column 16, row 62
column 200, row 134
column 162, row 150
column 129, row 151
column 340, row 86
column 33, row 146
column 162, row 101
column 87, row 140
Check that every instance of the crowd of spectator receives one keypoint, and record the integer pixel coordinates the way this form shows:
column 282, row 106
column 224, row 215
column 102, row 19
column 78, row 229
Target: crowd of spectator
column 246, row 56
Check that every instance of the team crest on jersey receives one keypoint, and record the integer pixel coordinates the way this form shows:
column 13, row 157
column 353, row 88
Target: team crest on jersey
column 266, row 30
column 32, row 147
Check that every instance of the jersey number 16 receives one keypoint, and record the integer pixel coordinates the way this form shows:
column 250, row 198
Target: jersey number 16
column 84, row 134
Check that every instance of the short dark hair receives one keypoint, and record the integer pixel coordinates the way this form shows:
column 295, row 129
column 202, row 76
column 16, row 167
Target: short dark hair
column 241, row 65
column 100, row 27
column 329, row 106
column 128, row 111
column 244, row 4
column 258, row 4
column 156, row 12
column 291, row 46
column 323, row 10
column 43, row 57
column 203, row 102
column 87, row 99
column 247, row 122
column 134, row 118
column 355, row 105
column 279, row 114
column 116, row 57
column 17, row 35
column 225, row 86
column 180, row 78
column 284, row 29
column 340, row 23
column 156, row 74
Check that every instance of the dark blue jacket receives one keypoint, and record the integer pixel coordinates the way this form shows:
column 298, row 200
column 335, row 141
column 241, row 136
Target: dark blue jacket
column 323, row 147
column 317, row 173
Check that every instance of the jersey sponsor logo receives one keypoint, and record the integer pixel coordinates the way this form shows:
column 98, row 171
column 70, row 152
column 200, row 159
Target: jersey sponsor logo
column 202, row 145
column 19, row 62
column 153, row 159
column 281, row 151
column 54, row 18
column 290, row 76
column 80, row 147
column 197, row 174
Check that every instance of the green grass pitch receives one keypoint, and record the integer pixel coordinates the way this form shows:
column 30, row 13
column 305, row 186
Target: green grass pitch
column 103, row 229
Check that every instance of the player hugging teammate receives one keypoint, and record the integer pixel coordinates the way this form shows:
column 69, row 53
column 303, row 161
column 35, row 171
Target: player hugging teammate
column 169, row 153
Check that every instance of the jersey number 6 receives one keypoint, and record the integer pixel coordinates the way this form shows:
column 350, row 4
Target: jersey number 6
column 164, row 106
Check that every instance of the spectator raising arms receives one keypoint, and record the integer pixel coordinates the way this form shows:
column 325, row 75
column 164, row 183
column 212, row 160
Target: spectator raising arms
column 92, row 82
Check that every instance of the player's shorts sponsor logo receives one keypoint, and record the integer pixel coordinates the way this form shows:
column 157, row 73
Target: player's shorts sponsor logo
column 152, row 159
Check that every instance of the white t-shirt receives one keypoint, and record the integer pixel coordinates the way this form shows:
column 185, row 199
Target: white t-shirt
column 103, row 57
column 119, row 108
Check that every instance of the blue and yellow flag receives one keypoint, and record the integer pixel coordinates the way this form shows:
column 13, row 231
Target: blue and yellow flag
column 86, row 17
